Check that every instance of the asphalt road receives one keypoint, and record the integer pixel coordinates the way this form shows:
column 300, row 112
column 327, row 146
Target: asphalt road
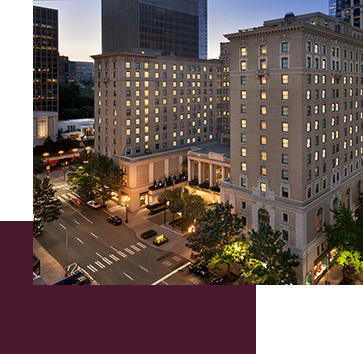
column 112, row 255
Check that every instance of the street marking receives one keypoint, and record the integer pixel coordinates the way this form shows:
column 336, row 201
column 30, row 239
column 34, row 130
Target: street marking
column 167, row 263
column 141, row 245
column 107, row 260
column 170, row 274
column 122, row 254
column 94, row 235
column 128, row 276
column 76, row 222
column 92, row 268
column 100, row 264
column 61, row 210
column 63, row 226
column 165, row 282
column 143, row 268
column 80, row 240
column 176, row 258
column 79, row 213
column 114, row 257
column 129, row 251
column 61, row 199
column 135, row 248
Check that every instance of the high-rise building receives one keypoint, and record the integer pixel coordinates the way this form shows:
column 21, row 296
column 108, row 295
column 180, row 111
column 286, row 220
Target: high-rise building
column 45, row 59
column 162, row 27
column 350, row 9
column 296, row 103
column 149, row 111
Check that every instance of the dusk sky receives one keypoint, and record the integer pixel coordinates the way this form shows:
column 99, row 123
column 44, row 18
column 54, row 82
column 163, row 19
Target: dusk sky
column 80, row 21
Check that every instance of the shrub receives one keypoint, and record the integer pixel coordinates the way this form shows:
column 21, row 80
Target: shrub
column 148, row 234
column 204, row 185
column 193, row 182
column 215, row 189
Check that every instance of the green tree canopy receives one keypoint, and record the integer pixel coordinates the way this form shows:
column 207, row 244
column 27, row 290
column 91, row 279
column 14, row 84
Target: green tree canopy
column 95, row 175
column 46, row 207
column 346, row 236
column 268, row 260
column 215, row 236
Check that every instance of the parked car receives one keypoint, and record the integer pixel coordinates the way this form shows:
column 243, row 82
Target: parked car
column 199, row 269
column 115, row 220
column 93, row 204
column 219, row 281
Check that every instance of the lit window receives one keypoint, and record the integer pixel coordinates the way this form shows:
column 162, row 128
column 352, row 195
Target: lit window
column 243, row 152
column 243, row 65
column 263, row 187
column 263, row 110
column 263, row 125
column 263, row 95
column 263, row 155
column 243, row 51
column 285, row 95
column 285, row 127
column 285, row 143
column 263, row 140
column 243, row 94
column 285, row 79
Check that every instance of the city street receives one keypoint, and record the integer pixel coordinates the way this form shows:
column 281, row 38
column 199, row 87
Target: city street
column 109, row 254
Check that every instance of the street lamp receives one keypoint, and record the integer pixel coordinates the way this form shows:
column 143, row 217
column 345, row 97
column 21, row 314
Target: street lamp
column 76, row 227
column 46, row 154
column 126, row 200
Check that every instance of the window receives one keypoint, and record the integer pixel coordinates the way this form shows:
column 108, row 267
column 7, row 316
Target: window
column 285, row 79
column 285, row 111
column 263, row 140
column 243, row 138
column 243, row 109
column 284, row 47
column 243, row 166
column 263, row 64
column 285, row 143
column 243, row 80
column 285, row 95
column 263, row 155
column 285, row 175
column 243, row 94
column 263, row 170
column 285, row 127
column 263, row 110
column 263, row 95
column 285, row 159
column 285, row 235
column 263, row 125
column 285, row 217
column 243, row 182
column 243, row 51
column 284, row 63
column 243, row 65
column 263, row 49
column 243, row 152
column 285, row 192
column 263, row 187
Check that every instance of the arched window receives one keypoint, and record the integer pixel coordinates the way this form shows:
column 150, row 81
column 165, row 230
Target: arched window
column 347, row 198
column 263, row 217
column 319, row 220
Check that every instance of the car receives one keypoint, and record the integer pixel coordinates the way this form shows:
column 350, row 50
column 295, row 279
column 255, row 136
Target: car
column 199, row 269
column 219, row 281
column 114, row 219
column 93, row 204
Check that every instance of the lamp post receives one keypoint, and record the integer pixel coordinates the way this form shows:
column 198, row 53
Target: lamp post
column 67, row 232
column 126, row 200
column 46, row 154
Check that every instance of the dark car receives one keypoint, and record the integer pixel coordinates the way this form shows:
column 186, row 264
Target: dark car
column 199, row 269
column 114, row 220
column 219, row 281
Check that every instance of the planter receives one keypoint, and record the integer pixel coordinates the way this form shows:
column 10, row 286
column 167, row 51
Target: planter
column 159, row 240
column 148, row 234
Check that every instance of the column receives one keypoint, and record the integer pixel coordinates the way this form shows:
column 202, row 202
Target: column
column 223, row 172
column 151, row 172
column 190, row 170
column 181, row 159
column 166, row 167
column 212, row 175
column 200, row 172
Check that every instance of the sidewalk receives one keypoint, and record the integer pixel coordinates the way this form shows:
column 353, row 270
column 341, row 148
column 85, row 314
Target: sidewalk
column 50, row 270
column 336, row 276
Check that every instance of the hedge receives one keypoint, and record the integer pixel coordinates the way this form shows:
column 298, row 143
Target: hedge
column 148, row 234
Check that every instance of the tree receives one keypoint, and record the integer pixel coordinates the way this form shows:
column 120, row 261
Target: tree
column 268, row 260
column 193, row 206
column 212, row 242
column 46, row 207
column 346, row 236
column 94, row 175
column 38, row 165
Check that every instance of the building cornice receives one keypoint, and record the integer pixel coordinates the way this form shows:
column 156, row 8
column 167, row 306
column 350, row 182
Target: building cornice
column 305, row 27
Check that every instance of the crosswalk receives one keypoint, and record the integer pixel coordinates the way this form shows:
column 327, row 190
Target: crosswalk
column 66, row 197
column 62, row 186
column 110, row 259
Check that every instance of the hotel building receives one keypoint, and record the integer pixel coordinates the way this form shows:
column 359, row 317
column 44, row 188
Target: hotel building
column 150, row 111
column 296, row 105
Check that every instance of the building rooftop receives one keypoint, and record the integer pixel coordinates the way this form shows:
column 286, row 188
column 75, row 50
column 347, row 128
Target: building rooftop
column 216, row 148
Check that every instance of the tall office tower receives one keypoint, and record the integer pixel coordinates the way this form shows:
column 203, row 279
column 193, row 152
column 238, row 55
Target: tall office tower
column 149, row 111
column 203, row 29
column 350, row 9
column 163, row 27
column 45, row 59
column 296, row 129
